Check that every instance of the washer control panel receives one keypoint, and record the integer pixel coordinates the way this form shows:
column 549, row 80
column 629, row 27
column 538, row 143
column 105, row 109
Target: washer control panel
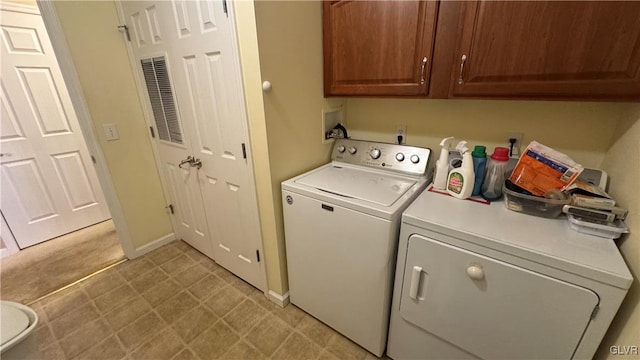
column 401, row 158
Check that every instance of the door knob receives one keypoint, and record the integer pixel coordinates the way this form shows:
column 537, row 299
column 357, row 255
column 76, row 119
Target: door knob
column 475, row 272
column 196, row 163
column 189, row 160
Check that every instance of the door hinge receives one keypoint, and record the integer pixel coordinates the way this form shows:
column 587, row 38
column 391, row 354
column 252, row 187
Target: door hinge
column 153, row 133
column 595, row 311
column 93, row 158
column 125, row 30
column 224, row 7
column 170, row 207
column 244, row 151
column 258, row 255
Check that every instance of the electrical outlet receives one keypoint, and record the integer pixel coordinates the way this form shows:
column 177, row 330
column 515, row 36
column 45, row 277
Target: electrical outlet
column 110, row 132
column 517, row 146
column 401, row 134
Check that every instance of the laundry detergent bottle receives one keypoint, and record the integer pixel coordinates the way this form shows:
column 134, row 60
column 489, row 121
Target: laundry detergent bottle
column 461, row 180
column 479, row 156
column 442, row 165
column 495, row 174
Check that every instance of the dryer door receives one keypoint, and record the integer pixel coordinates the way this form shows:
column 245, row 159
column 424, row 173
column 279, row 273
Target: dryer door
column 489, row 308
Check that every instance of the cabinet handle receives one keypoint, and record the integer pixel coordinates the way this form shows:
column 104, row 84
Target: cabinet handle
column 424, row 64
column 462, row 61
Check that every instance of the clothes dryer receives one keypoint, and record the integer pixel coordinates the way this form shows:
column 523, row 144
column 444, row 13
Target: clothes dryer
column 481, row 281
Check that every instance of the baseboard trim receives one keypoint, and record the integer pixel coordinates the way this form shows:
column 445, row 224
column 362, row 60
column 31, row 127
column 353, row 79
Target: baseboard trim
column 139, row 251
column 4, row 252
column 282, row 300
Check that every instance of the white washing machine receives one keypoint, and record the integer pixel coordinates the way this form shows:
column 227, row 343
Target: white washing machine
column 481, row 281
column 341, row 231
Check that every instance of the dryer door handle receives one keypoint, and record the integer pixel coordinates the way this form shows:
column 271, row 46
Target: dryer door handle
column 416, row 274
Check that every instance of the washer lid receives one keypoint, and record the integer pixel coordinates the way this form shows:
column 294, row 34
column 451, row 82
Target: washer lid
column 14, row 322
column 372, row 186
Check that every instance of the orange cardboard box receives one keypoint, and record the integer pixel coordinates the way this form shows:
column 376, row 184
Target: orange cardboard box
column 541, row 169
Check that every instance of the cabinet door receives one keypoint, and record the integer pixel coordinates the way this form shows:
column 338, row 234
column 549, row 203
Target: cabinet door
column 490, row 308
column 378, row 47
column 548, row 49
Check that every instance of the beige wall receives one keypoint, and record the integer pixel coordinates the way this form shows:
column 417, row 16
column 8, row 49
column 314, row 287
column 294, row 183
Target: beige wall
column 100, row 59
column 622, row 163
column 290, row 45
column 580, row 129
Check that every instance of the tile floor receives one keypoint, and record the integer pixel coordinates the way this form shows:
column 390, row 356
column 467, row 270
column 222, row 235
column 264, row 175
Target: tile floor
column 175, row 303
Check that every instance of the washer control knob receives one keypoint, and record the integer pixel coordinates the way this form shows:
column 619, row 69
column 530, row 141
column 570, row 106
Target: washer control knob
column 375, row 153
column 353, row 150
column 400, row 157
column 414, row 159
column 341, row 148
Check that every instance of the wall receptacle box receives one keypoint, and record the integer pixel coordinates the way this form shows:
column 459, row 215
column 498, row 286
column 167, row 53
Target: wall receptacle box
column 331, row 117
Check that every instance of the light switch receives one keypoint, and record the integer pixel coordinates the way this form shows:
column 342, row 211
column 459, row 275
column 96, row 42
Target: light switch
column 110, row 132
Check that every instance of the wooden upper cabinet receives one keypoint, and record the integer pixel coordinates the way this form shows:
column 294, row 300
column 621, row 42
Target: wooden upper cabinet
column 580, row 50
column 378, row 47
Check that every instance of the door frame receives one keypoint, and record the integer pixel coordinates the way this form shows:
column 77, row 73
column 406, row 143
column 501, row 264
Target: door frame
column 70, row 76
column 142, row 96
column 9, row 242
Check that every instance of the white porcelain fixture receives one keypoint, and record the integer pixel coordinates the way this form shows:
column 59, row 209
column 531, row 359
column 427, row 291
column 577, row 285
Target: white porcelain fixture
column 341, row 231
column 17, row 324
column 481, row 281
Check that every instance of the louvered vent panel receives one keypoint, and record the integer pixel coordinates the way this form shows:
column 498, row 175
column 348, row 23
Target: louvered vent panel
column 154, row 97
column 170, row 113
column 163, row 105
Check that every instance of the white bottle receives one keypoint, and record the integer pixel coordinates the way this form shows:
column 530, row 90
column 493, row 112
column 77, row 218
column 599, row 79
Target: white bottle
column 460, row 180
column 442, row 165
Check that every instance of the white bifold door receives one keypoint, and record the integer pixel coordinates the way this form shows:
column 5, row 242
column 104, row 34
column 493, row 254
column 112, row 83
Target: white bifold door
column 49, row 185
column 185, row 56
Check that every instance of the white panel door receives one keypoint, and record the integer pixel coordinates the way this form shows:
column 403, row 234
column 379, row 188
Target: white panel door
column 49, row 184
column 198, row 40
column 150, row 41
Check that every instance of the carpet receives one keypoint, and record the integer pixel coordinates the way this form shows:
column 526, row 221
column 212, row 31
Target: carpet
column 40, row 269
